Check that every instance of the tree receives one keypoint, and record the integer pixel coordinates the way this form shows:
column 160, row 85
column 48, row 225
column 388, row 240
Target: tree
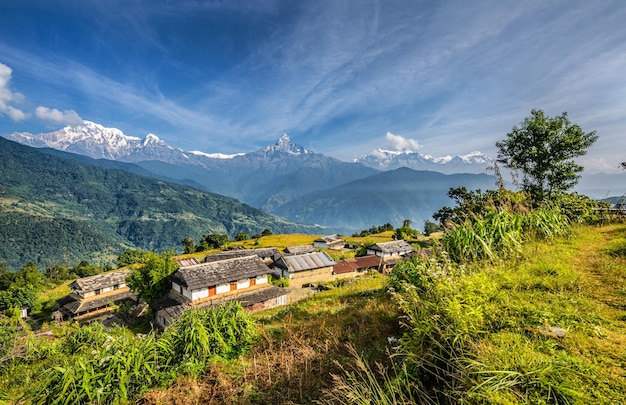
column 266, row 232
column 214, row 240
column 430, row 227
column 148, row 281
column 543, row 148
column 405, row 231
column 189, row 245
column 242, row 236
column 130, row 256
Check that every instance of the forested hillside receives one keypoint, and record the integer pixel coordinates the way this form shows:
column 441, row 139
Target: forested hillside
column 54, row 210
column 385, row 197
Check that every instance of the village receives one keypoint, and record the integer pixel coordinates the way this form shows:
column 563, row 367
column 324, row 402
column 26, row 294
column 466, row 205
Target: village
column 241, row 275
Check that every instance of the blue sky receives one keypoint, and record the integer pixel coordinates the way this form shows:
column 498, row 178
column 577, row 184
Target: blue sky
column 231, row 76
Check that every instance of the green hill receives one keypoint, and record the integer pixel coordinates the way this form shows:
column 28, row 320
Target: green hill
column 55, row 210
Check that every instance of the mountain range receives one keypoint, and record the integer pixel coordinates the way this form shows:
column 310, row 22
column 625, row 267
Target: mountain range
column 284, row 178
column 280, row 177
column 59, row 210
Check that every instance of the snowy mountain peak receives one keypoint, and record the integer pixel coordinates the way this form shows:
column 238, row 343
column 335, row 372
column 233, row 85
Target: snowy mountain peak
column 474, row 162
column 151, row 140
column 99, row 142
column 285, row 145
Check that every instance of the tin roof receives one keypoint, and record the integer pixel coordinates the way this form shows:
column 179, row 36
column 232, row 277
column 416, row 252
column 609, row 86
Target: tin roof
column 191, row 261
column 308, row 261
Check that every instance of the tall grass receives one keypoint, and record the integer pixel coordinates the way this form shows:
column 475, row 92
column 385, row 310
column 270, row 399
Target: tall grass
column 112, row 366
column 500, row 233
column 478, row 336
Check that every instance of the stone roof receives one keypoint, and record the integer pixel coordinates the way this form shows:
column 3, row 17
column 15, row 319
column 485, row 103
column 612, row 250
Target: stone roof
column 308, row 261
column 73, row 306
column 230, row 254
column 394, row 247
column 218, row 272
column 357, row 264
column 100, row 281
column 171, row 306
column 298, row 250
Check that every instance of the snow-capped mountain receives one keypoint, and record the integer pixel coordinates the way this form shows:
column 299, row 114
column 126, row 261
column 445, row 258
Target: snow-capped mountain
column 474, row 162
column 99, row 142
column 285, row 145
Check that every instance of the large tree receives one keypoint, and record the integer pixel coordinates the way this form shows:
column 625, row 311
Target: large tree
column 148, row 280
column 543, row 149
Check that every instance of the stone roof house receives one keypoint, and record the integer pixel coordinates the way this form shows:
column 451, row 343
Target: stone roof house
column 390, row 249
column 298, row 250
column 244, row 279
column 267, row 255
column 92, row 296
column 329, row 242
column 304, row 269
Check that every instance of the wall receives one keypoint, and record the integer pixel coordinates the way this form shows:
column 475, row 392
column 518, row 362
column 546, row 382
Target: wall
column 300, row 278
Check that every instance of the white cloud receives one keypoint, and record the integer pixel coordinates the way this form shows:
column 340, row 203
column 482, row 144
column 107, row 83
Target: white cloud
column 7, row 96
column 401, row 143
column 67, row 117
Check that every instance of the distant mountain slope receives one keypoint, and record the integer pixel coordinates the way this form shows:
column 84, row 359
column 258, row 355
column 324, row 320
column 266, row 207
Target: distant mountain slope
column 107, row 209
column 391, row 196
column 263, row 178
column 266, row 178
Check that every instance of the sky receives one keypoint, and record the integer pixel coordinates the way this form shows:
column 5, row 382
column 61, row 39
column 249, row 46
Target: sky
column 341, row 77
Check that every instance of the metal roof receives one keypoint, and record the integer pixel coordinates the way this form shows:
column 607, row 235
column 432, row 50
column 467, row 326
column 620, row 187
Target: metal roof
column 308, row 261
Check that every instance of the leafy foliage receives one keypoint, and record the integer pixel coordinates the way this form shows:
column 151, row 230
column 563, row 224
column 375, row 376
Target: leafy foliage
column 111, row 366
column 148, row 280
column 130, row 256
column 212, row 241
column 241, row 236
column 543, row 149
column 198, row 335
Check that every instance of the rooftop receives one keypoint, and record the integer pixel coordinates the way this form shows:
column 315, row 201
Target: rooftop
column 218, row 272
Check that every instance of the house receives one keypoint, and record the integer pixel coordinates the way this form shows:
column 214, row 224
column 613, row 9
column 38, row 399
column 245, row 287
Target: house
column 347, row 268
column 267, row 255
column 304, row 269
column 298, row 250
column 244, row 279
column 395, row 248
column 329, row 242
column 92, row 296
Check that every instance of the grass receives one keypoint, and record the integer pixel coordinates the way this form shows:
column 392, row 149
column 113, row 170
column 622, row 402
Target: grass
column 300, row 347
column 486, row 328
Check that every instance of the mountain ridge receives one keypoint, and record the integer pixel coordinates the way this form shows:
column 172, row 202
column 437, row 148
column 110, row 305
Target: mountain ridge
column 114, row 209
